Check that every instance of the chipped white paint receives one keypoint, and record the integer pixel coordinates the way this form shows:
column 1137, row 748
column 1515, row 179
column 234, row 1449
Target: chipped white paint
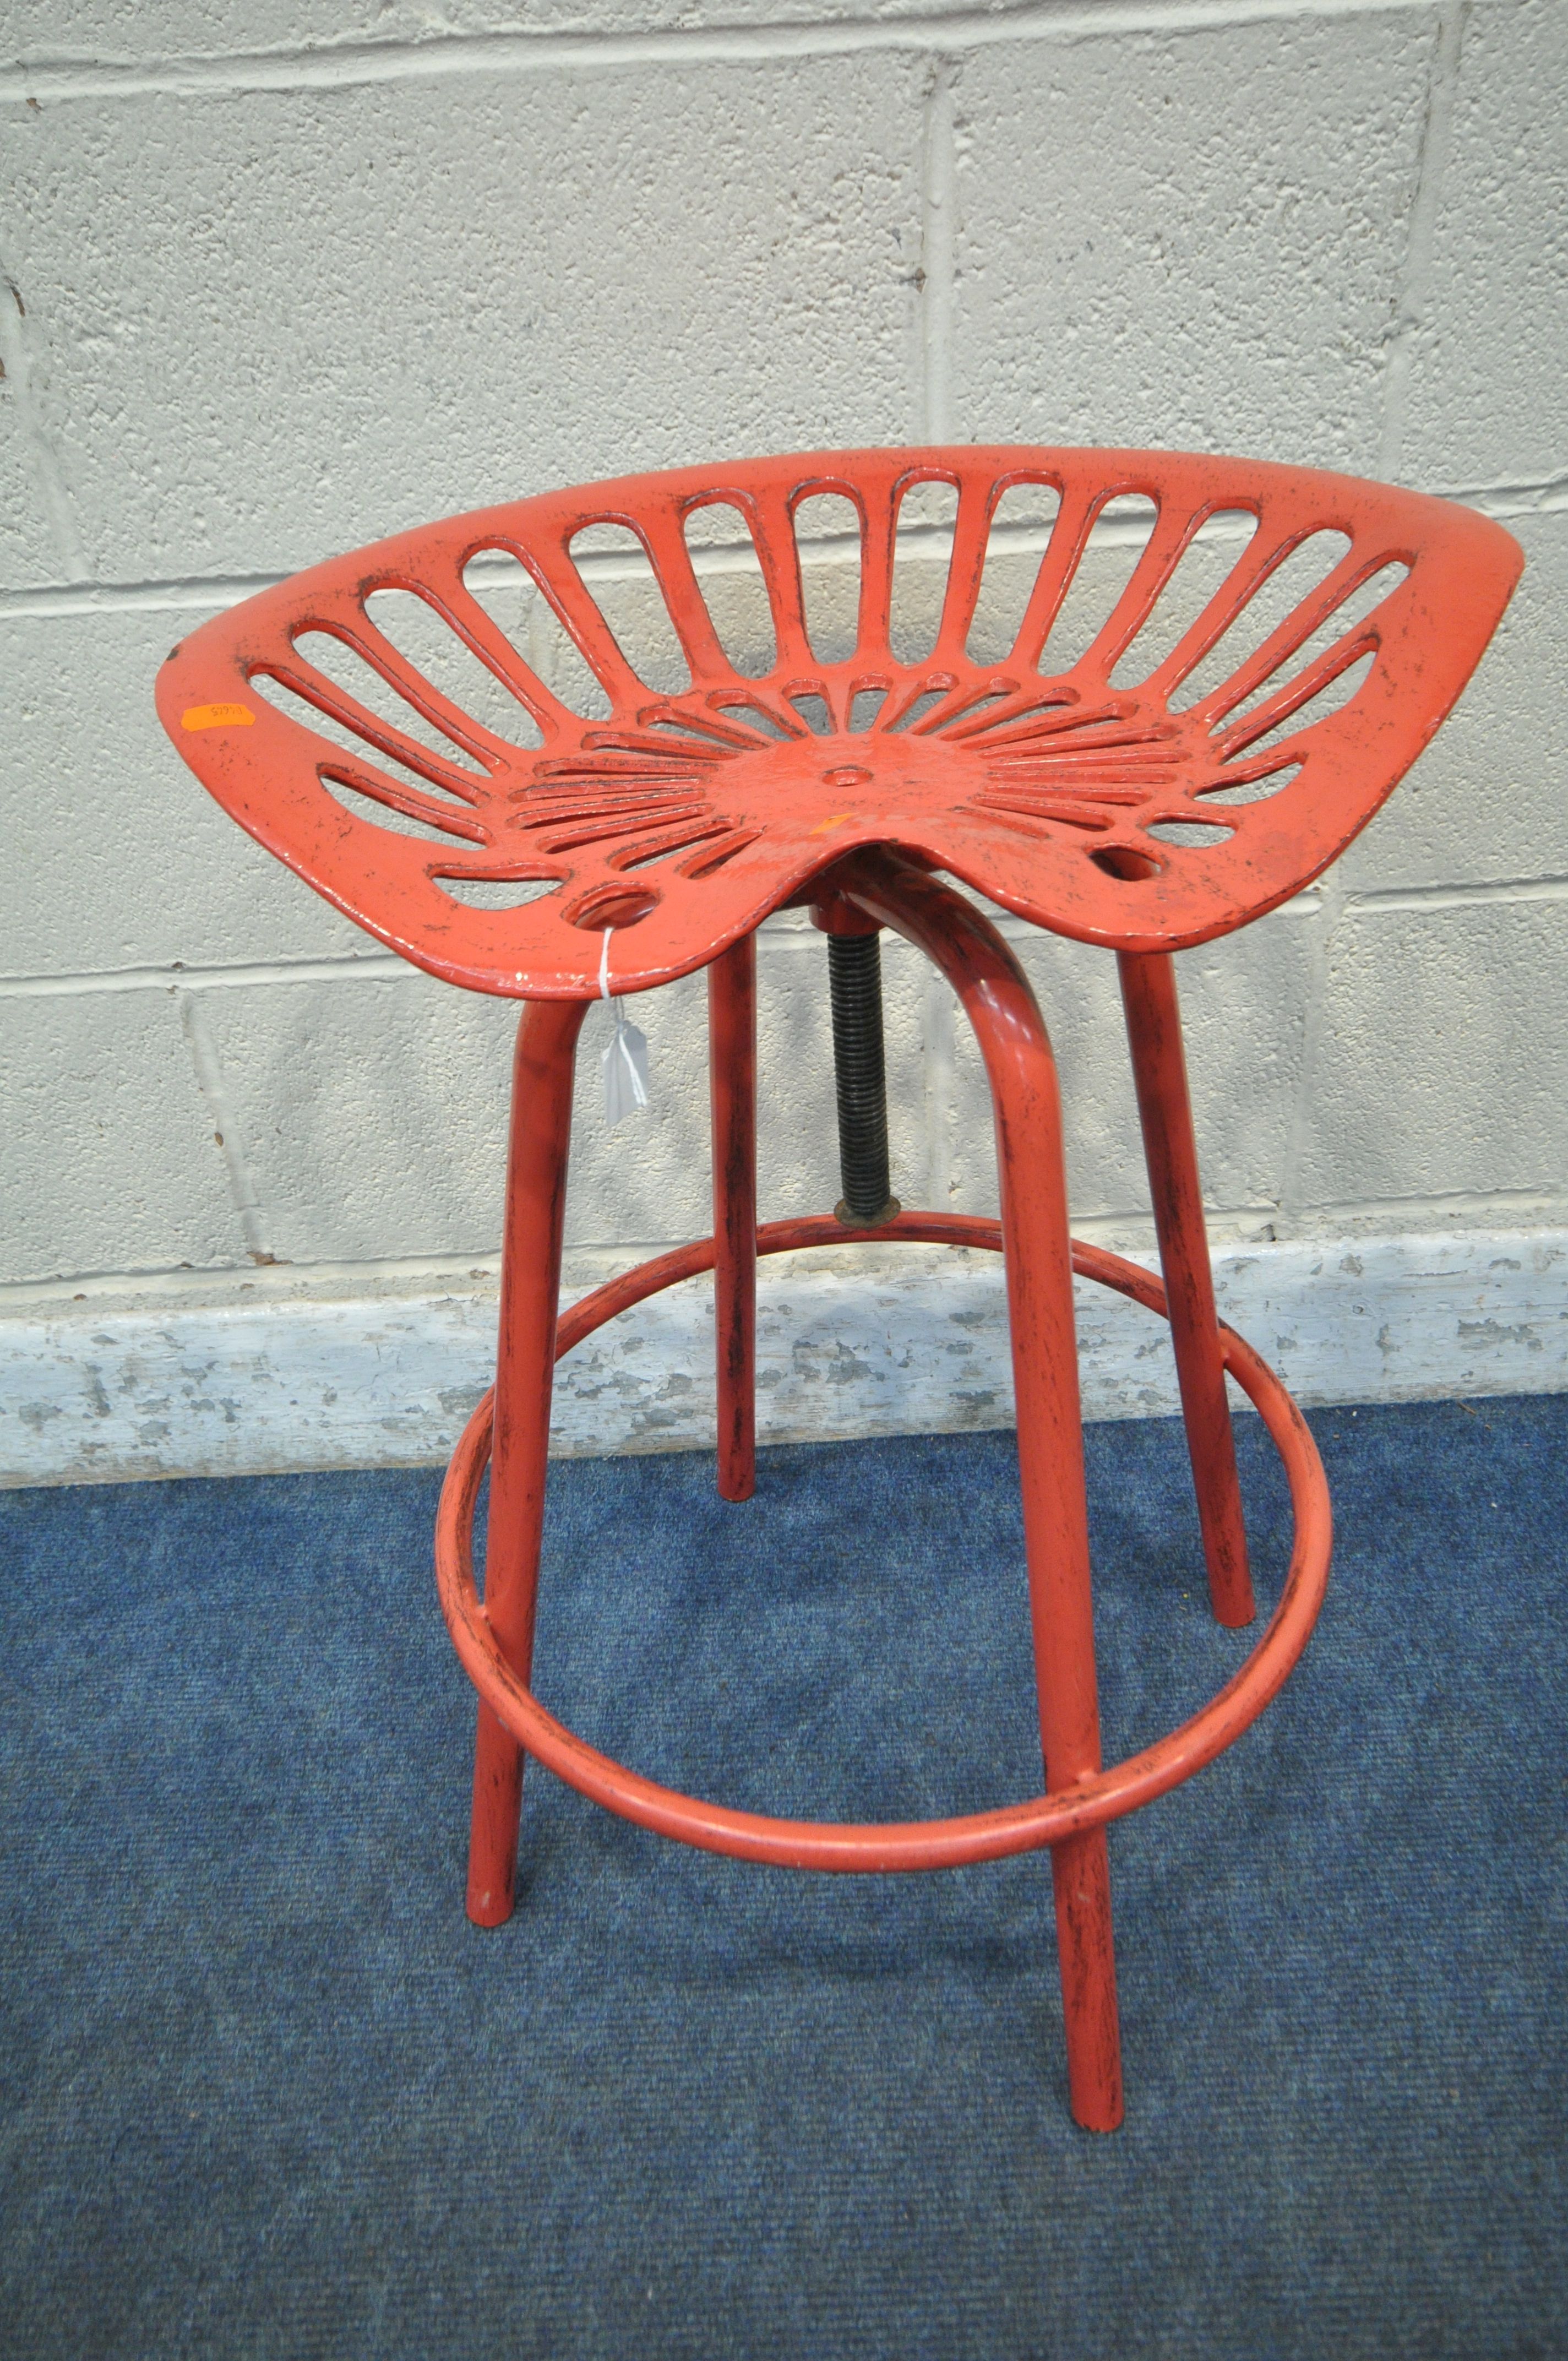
column 917, row 1345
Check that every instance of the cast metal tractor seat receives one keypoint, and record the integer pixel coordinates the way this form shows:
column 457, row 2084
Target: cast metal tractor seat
column 1145, row 698
column 1100, row 801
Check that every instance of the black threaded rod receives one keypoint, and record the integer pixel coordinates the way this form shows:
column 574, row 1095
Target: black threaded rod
column 855, row 978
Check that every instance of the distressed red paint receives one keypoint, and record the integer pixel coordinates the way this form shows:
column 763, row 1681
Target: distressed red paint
column 685, row 820
column 1128, row 811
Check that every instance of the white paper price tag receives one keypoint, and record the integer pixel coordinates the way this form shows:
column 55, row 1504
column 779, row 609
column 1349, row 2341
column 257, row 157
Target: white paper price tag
column 625, row 1061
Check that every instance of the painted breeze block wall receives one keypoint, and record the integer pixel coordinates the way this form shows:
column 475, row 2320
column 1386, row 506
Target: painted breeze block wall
column 280, row 280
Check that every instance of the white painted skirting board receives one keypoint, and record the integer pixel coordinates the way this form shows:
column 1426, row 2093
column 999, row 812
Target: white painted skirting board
column 919, row 1346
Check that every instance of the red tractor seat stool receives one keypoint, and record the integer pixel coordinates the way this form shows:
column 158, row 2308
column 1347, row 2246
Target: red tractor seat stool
column 514, row 806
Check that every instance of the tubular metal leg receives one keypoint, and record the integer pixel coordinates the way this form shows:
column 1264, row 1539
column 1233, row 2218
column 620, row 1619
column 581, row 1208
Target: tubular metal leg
column 732, row 1057
column 531, row 1283
column 1038, row 1253
column 1160, row 1072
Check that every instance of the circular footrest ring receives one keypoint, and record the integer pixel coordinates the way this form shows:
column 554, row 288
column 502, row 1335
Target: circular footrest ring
column 1045, row 1819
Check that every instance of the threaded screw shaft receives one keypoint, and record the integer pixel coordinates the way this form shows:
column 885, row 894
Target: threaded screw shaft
column 854, row 981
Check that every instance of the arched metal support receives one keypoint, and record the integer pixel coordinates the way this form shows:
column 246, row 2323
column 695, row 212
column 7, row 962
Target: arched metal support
column 494, row 1637
column 1038, row 1250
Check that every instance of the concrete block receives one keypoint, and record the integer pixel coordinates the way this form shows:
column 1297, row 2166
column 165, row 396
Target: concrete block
column 1488, row 800
column 118, row 31
column 34, row 533
column 1244, row 1003
column 116, row 857
column 1193, row 237
column 285, row 323
column 27, row 552
column 1443, row 1066
column 371, row 1113
column 107, row 1155
column 1486, row 399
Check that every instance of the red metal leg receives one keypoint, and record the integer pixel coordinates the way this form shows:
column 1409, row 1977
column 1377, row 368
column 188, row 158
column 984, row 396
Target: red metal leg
column 732, row 1059
column 531, row 1282
column 1037, row 1254
column 1160, row 1072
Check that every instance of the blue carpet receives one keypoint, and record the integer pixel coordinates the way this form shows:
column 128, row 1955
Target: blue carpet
column 265, row 2092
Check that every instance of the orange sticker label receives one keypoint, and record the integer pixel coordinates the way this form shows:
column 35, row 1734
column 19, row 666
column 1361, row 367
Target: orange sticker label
column 217, row 717
column 823, row 826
